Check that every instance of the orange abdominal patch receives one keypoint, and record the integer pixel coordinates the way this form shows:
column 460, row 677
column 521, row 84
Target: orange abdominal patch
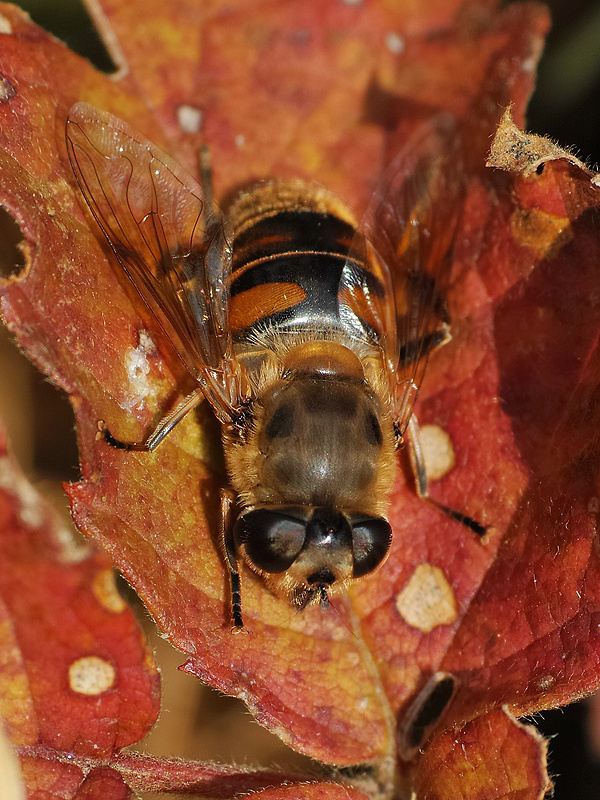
column 262, row 301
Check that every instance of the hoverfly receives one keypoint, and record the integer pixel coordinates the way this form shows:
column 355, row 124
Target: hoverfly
column 285, row 313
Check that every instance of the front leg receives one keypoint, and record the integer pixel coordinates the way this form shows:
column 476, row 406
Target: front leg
column 228, row 500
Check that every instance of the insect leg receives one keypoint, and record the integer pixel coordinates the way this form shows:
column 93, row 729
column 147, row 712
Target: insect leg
column 228, row 499
column 422, row 487
column 164, row 427
column 207, row 185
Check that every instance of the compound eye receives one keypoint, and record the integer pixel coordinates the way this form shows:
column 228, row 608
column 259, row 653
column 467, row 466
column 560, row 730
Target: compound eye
column 272, row 539
column 371, row 539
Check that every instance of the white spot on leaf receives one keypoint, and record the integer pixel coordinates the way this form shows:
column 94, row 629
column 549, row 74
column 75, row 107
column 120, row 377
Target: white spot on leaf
column 30, row 510
column 72, row 549
column 427, row 600
column 106, row 593
column 137, row 365
column 529, row 64
column 394, row 43
column 33, row 512
column 91, row 675
column 189, row 118
column 437, row 450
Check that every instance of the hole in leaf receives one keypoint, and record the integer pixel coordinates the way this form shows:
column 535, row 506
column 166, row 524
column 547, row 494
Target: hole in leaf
column 70, row 22
column 433, row 706
column 424, row 713
column 11, row 257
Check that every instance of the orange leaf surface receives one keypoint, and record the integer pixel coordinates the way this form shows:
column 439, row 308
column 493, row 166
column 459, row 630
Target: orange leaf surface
column 510, row 620
column 493, row 757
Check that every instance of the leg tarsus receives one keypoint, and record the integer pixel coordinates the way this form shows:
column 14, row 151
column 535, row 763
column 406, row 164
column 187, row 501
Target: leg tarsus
column 468, row 522
column 117, row 443
column 236, row 603
column 162, row 430
column 228, row 499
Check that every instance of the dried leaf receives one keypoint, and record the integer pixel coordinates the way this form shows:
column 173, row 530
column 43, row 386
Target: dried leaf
column 524, row 153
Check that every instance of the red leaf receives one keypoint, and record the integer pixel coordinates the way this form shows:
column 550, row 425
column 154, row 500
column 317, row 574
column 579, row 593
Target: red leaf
column 512, row 399
column 77, row 677
column 531, row 630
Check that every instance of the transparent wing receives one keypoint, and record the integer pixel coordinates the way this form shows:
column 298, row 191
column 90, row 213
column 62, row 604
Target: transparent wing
column 412, row 224
column 176, row 256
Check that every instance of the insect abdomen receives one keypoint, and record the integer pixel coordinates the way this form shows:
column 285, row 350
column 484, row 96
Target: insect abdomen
column 291, row 244
column 287, row 270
